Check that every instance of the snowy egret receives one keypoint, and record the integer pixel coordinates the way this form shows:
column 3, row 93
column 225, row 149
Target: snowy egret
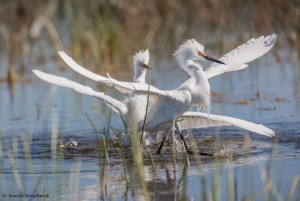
column 162, row 109
column 187, row 120
column 168, row 105
column 236, row 59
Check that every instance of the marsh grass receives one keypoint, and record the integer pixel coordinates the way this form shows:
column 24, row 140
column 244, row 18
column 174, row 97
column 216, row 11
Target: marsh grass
column 103, row 139
column 147, row 105
column 174, row 144
column 155, row 177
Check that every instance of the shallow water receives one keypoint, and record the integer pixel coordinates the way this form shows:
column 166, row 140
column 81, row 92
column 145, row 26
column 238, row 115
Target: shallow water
column 267, row 92
column 78, row 173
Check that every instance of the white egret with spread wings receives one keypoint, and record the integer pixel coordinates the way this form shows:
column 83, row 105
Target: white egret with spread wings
column 166, row 105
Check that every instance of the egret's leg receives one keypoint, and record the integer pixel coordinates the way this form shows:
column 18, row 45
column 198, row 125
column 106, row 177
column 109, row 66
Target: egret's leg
column 163, row 141
column 161, row 144
column 177, row 126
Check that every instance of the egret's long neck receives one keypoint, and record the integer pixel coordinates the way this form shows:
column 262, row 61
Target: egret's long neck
column 201, row 96
column 139, row 75
column 199, row 88
column 183, row 57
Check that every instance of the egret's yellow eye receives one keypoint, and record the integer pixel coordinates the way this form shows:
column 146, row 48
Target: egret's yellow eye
column 201, row 54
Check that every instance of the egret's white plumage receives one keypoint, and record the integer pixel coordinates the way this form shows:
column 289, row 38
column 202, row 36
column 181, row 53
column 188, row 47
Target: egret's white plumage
column 165, row 105
column 116, row 105
column 188, row 120
column 125, row 87
column 236, row 59
column 191, row 120
column 188, row 51
column 162, row 109
column 140, row 62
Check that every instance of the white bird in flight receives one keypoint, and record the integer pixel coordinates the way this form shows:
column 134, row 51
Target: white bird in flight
column 164, row 105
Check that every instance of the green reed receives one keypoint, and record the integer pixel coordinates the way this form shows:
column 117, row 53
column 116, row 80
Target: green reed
column 147, row 105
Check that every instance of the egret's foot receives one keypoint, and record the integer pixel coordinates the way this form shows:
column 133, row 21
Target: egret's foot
column 158, row 151
column 200, row 153
column 190, row 151
column 206, row 154
column 185, row 146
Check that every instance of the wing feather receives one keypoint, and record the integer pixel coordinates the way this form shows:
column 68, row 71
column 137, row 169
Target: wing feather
column 130, row 87
column 81, row 70
column 238, row 58
column 204, row 120
column 116, row 105
column 124, row 87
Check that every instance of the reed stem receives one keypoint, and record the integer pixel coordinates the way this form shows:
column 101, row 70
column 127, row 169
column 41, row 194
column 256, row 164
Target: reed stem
column 147, row 105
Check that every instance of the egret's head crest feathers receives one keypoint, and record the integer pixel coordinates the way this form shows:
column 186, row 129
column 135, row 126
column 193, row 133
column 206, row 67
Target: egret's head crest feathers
column 189, row 50
column 140, row 62
column 142, row 56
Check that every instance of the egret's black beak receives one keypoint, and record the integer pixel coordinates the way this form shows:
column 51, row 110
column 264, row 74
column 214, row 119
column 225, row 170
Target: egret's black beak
column 212, row 59
column 145, row 66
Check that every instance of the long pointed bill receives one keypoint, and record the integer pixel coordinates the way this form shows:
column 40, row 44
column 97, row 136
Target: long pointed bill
column 214, row 60
column 145, row 66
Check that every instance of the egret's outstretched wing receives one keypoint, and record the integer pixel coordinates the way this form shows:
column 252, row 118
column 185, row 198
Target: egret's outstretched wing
column 81, row 70
column 116, row 105
column 204, row 120
column 238, row 58
column 135, row 87
column 124, row 87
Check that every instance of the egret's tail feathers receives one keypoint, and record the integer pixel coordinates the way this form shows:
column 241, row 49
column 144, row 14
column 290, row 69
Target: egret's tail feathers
column 116, row 105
